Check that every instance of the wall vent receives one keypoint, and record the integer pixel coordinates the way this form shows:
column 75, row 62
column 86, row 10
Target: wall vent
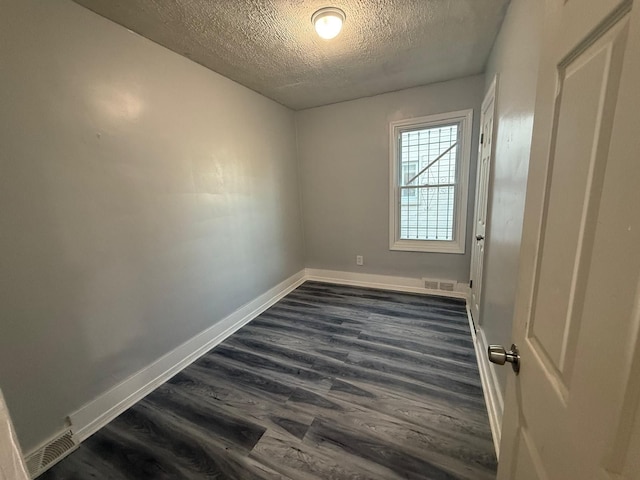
column 447, row 286
column 431, row 284
column 441, row 285
column 51, row 453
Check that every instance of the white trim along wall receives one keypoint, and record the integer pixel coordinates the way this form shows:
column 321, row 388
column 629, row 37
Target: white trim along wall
column 490, row 387
column 384, row 282
column 97, row 413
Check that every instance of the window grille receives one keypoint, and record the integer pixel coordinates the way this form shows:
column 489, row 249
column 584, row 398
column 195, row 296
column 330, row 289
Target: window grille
column 428, row 159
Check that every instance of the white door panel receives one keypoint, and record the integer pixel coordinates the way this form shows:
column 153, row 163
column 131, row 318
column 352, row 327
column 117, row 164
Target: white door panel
column 482, row 194
column 570, row 413
column 588, row 88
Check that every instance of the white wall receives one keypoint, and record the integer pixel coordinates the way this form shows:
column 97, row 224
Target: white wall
column 515, row 60
column 143, row 198
column 344, row 178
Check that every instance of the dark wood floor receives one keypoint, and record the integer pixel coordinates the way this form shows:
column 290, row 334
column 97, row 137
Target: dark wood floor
column 332, row 382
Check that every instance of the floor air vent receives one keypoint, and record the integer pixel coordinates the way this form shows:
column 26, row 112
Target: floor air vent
column 447, row 286
column 441, row 285
column 50, row 454
column 431, row 284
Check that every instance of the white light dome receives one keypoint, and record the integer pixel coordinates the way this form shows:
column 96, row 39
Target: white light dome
column 328, row 22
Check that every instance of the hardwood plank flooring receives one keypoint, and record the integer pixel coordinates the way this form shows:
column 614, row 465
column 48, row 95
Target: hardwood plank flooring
column 332, row 382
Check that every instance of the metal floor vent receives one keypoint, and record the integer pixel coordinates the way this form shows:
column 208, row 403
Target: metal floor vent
column 50, row 454
column 442, row 285
column 431, row 284
column 447, row 286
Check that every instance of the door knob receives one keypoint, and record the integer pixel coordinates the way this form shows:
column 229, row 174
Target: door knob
column 479, row 237
column 498, row 354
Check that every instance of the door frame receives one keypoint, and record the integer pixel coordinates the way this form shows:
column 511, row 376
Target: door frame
column 492, row 395
column 490, row 96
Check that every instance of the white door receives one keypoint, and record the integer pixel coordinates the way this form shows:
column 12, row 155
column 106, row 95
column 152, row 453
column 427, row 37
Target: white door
column 482, row 192
column 572, row 413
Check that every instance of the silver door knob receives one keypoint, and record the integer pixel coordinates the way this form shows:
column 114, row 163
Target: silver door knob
column 498, row 354
column 479, row 237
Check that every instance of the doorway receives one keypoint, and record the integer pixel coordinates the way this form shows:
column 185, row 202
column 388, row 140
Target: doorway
column 485, row 156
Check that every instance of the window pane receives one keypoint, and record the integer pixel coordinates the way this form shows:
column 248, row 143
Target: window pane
column 427, row 213
column 419, row 148
column 427, row 210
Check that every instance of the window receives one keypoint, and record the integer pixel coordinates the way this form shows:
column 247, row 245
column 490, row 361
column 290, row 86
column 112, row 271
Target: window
column 409, row 170
column 429, row 180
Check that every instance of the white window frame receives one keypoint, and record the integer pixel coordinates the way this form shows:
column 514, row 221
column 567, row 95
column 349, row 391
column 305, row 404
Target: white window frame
column 457, row 245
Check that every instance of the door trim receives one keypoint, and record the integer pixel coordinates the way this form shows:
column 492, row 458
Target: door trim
column 491, row 95
column 493, row 398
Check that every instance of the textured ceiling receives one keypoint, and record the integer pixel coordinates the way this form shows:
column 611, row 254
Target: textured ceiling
column 271, row 47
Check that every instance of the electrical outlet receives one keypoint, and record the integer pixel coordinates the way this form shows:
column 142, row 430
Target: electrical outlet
column 359, row 260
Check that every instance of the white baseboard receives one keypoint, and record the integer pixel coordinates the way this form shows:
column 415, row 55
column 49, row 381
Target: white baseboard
column 490, row 386
column 384, row 282
column 97, row 413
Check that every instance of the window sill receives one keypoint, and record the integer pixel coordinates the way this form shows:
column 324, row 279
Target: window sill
column 427, row 246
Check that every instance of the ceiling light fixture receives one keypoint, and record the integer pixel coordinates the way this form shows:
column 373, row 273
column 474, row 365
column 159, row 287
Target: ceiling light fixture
column 328, row 22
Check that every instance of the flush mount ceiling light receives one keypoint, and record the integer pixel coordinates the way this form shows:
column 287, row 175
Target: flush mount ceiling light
column 328, row 22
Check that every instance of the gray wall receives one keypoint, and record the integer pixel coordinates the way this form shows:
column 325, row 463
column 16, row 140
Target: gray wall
column 344, row 178
column 515, row 59
column 143, row 198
